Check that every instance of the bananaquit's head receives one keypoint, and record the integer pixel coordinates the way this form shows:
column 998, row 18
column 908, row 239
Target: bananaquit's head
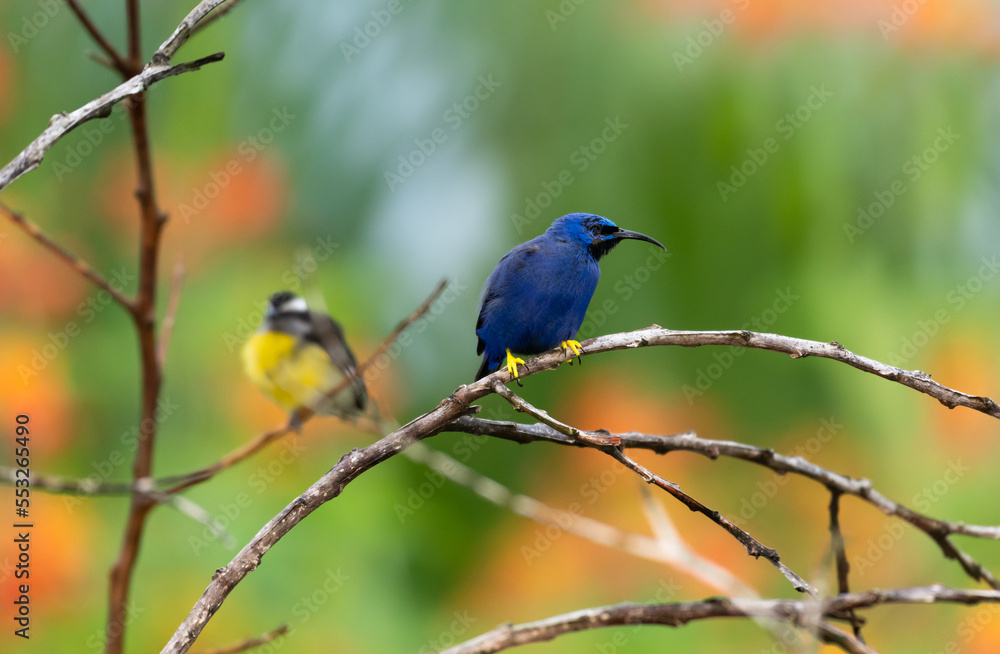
column 285, row 302
column 298, row 357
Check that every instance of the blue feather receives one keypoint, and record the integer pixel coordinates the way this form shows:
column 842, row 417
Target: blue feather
column 538, row 294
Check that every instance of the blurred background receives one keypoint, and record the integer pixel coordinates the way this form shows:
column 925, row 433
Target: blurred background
column 825, row 170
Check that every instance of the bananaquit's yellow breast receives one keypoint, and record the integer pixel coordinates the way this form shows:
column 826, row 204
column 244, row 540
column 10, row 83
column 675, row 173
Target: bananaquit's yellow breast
column 292, row 372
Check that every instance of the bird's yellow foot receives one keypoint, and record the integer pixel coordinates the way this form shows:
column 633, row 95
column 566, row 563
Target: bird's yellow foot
column 575, row 348
column 512, row 362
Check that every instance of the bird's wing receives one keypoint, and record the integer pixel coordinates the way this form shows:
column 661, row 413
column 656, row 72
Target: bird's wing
column 507, row 268
column 330, row 337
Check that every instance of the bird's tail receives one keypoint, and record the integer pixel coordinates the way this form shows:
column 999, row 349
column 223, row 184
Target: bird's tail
column 486, row 367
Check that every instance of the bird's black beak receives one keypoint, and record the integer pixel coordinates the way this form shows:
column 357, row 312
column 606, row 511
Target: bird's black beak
column 627, row 233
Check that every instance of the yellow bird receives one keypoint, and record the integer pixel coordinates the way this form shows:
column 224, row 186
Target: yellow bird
column 298, row 356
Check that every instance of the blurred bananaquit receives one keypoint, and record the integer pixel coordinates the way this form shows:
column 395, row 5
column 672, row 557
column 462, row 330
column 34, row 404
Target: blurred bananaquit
column 298, row 356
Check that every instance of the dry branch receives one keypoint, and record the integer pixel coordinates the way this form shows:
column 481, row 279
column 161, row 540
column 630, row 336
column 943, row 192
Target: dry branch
column 82, row 268
column 753, row 547
column 938, row 530
column 250, row 643
column 62, row 124
column 459, row 404
column 800, row 613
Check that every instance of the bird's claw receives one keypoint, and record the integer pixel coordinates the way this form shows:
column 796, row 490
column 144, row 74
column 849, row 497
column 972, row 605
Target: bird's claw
column 512, row 362
column 574, row 347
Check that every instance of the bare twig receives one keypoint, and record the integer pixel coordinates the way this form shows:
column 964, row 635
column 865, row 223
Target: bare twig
column 62, row 124
column 938, row 530
column 675, row 550
column 79, row 265
column 753, row 547
column 794, row 347
column 573, row 522
column 839, row 553
column 250, row 643
column 167, row 328
column 522, row 405
column 118, row 63
column 799, row 613
column 134, row 33
column 223, row 9
column 169, row 48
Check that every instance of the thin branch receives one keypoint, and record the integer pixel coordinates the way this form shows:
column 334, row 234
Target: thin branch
column 574, row 523
column 674, row 549
column 169, row 48
column 753, row 547
column 250, row 643
column 796, row 348
column 223, row 9
column 61, row 485
column 839, row 552
column 62, row 124
column 76, row 263
column 134, row 33
column 151, row 224
column 178, row 483
column 799, row 613
column 523, row 406
column 937, row 530
column 167, row 327
column 118, row 63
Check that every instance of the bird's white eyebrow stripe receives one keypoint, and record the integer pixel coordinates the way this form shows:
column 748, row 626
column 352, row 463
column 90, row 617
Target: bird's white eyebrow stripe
column 295, row 305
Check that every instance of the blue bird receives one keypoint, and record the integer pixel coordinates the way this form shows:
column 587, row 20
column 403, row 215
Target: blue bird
column 536, row 297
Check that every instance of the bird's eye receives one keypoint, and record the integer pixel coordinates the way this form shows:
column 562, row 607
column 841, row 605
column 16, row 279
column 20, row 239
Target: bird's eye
column 608, row 229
